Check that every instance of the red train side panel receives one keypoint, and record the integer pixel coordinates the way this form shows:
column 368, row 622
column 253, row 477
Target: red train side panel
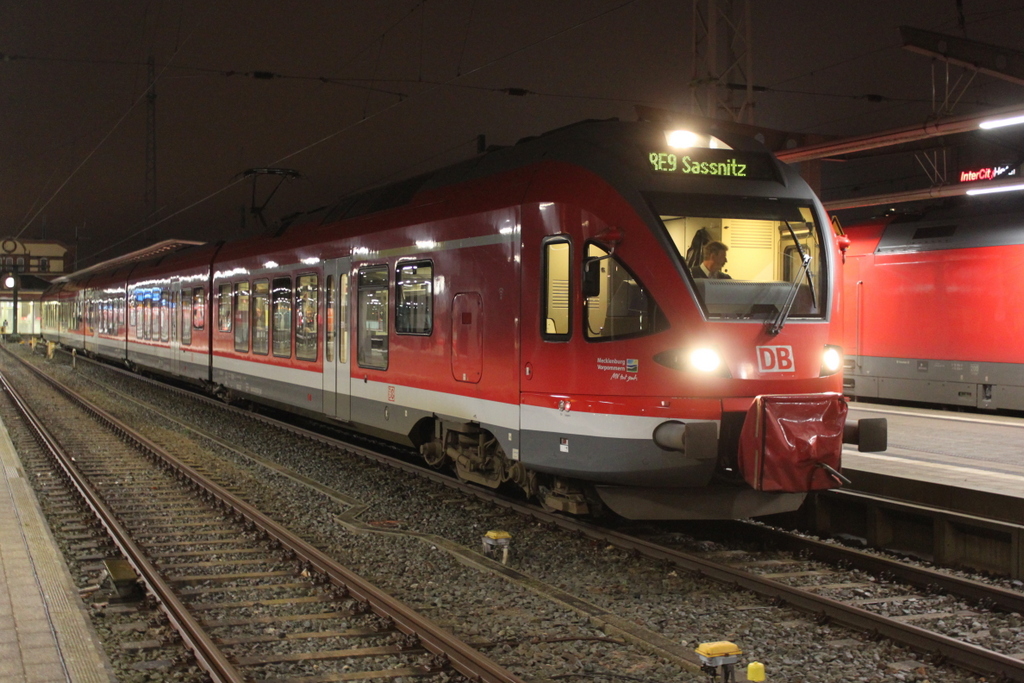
column 932, row 307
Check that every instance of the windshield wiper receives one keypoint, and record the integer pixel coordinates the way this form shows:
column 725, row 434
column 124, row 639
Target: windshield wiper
column 774, row 325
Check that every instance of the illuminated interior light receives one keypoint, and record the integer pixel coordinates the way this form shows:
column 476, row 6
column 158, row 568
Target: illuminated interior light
column 270, row 264
column 426, row 244
column 681, row 139
column 1002, row 188
column 311, row 261
column 999, row 123
column 705, row 360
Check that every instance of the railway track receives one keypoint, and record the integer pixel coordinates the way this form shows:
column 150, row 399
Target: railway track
column 241, row 590
column 863, row 604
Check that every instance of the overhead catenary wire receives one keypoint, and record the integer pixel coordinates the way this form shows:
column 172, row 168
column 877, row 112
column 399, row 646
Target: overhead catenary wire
column 374, row 115
column 97, row 147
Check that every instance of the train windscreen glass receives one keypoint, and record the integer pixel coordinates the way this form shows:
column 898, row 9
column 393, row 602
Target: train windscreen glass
column 775, row 263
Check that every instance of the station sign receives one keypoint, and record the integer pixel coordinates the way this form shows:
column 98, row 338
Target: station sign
column 987, row 173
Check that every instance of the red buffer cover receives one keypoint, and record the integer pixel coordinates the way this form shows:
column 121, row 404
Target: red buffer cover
column 786, row 438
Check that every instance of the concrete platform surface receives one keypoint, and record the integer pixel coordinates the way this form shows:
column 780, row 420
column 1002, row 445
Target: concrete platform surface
column 45, row 633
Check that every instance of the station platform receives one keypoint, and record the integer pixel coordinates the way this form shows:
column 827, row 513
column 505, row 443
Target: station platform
column 968, row 462
column 45, row 633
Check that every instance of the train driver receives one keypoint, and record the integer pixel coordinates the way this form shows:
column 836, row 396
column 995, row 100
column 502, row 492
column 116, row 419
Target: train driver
column 714, row 259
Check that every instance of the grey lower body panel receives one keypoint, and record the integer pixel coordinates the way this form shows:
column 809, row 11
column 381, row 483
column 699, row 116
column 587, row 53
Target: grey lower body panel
column 630, row 462
column 270, row 390
column 702, row 503
column 989, row 386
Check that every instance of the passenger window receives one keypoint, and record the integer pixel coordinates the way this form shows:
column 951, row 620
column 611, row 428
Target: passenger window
column 154, row 314
column 414, row 286
column 261, row 317
column 306, row 331
column 621, row 306
column 372, row 345
column 343, row 318
column 329, row 334
column 186, row 317
column 242, row 317
column 199, row 308
column 166, row 317
column 556, row 319
column 281, row 291
column 224, row 308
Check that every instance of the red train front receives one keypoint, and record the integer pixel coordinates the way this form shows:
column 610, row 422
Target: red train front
column 538, row 316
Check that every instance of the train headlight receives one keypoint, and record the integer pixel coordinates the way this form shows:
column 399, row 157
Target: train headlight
column 831, row 360
column 705, row 360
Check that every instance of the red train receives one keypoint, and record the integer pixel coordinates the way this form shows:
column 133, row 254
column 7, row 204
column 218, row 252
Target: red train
column 528, row 317
column 932, row 308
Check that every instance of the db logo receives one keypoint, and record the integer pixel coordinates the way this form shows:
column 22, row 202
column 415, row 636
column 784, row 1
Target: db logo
column 775, row 358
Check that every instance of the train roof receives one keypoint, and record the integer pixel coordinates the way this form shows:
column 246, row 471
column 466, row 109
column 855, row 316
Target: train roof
column 966, row 223
column 591, row 144
column 153, row 251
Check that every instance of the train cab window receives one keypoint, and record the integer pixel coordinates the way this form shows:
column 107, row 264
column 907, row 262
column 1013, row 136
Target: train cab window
column 281, row 335
column 199, row 308
column 777, row 260
column 241, row 317
column 414, row 288
column 372, row 344
column 224, row 308
column 306, row 308
column 261, row 317
column 616, row 304
column 556, row 318
column 186, row 316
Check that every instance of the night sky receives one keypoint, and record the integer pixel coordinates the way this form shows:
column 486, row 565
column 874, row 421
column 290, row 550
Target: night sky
column 356, row 93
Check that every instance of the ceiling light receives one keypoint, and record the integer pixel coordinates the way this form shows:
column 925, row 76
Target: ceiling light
column 1001, row 188
column 999, row 123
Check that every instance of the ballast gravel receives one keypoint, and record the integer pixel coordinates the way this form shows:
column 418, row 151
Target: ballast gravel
column 397, row 531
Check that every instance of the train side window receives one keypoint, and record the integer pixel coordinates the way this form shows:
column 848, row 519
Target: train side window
column 241, row 316
column 281, row 291
column 186, row 316
column 307, row 293
column 329, row 330
column 618, row 306
column 199, row 308
column 261, row 317
column 154, row 314
column 166, row 324
column 372, row 344
column 224, row 308
column 132, row 309
column 556, row 318
column 343, row 318
column 414, row 298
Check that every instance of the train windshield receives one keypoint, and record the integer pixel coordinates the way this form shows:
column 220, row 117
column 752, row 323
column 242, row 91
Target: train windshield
column 748, row 258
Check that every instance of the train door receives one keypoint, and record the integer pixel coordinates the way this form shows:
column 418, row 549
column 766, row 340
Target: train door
column 177, row 360
column 337, row 341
